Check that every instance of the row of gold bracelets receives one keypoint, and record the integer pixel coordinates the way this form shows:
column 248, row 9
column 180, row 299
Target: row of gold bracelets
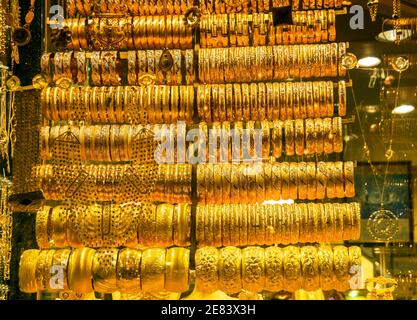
column 239, row 30
column 316, row 4
column 143, row 62
column 273, row 101
column 291, row 268
column 248, row 64
column 227, row 142
column 255, row 183
column 125, row 7
column 173, row 184
column 110, row 182
column 105, row 270
column 106, row 67
column 266, row 224
column 145, row 32
column 131, row 224
column 121, row 104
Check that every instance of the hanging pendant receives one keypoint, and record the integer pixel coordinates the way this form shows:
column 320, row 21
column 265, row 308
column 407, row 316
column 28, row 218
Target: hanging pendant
column 383, row 225
column 166, row 61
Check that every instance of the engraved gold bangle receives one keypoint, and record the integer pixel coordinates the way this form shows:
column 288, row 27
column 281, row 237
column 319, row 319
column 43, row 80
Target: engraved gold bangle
column 153, row 270
column 325, row 259
column 253, row 269
column 206, row 268
column 27, row 271
column 309, row 267
column 43, row 236
column 128, row 270
column 274, row 273
column 292, row 268
column 230, row 259
column 341, row 268
column 289, row 138
column 104, row 270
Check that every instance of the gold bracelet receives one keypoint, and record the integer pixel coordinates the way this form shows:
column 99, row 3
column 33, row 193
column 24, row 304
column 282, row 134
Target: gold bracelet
column 59, row 227
column 182, row 224
column 274, row 273
column 253, row 269
column 243, row 184
column 342, row 98
column 225, row 215
column 208, row 225
column 286, row 219
column 311, row 181
column 43, row 269
column 104, row 270
column 302, row 181
column 341, row 268
column 217, row 225
column 277, row 139
column 295, row 223
column 349, row 179
column 337, row 134
column 252, row 215
column 60, row 260
column 41, row 229
column 355, row 211
column 346, row 220
column 80, row 270
column 309, row 268
column 128, row 270
column 289, row 137
column 325, row 259
column 293, row 180
column 321, row 180
column 177, row 269
column 304, row 223
column 230, row 259
column 292, row 268
column 339, row 174
column 328, row 135
column 200, row 221
column 153, row 270
column 206, row 269
column 164, row 225
column 27, row 271
column 285, row 180
column 269, row 192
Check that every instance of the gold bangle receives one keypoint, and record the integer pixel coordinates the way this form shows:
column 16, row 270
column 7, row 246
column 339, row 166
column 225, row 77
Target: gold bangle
column 285, row 180
column 153, row 270
column 59, row 227
column 243, row 224
column 253, row 269
column 304, row 223
column 80, row 270
column 230, row 259
column 310, row 268
column 274, row 273
column 342, row 98
column 277, row 139
column 243, row 184
column 328, row 135
column 43, row 270
column 206, row 269
column 286, row 220
column 341, row 268
column 208, row 225
column 338, row 218
column 234, row 224
column 337, row 134
column 177, row 269
column 60, row 262
column 250, row 175
column 292, row 268
column 293, row 180
column 182, row 224
column 252, row 214
column 27, row 271
column 339, row 178
column 295, row 223
column 355, row 211
column 299, row 137
column 200, row 221
column 225, row 215
column 289, row 137
column 269, row 192
column 302, row 181
column 349, row 179
column 128, row 270
column 321, row 180
column 347, row 221
column 325, row 258
column 246, row 107
column 42, row 231
column 217, row 225
column 311, row 181
column 104, row 270
column 164, row 225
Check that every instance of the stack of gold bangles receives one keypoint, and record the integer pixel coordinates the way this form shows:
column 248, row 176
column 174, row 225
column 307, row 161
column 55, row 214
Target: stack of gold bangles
column 265, row 63
column 145, row 32
column 265, row 224
column 104, row 143
column 133, row 225
column 109, row 182
column 237, row 30
column 272, row 101
column 291, row 268
column 151, row 104
column 173, row 184
column 105, row 270
column 106, row 67
column 255, row 183
column 132, row 7
column 316, row 4
column 255, row 140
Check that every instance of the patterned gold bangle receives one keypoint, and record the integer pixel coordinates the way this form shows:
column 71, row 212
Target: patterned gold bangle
column 325, row 264
column 276, row 180
column 339, row 174
column 226, row 217
column 80, row 268
column 328, row 135
column 349, row 179
column 153, row 270
column 201, row 185
column 331, row 181
column 252, row 214
column 206, row 269
column 59, row 227
column 234, row 188
column 299, row 137
column 246, row 107
column 341, row 268
column 177, row 269
column 216, row 228
column 147, row 225
column 60, row 262
column 294, row 181
column 270, row 227
column 27, row 271
column 243, row 224
column 289, row 137
column 225, row 183
column 274, row 273
column 292, row 268
column 304, row 223
column 42, row 231
column 277, row 139
column 277, row 216
column 355, row 211
column 311, row 222
column 261, row 224
column 230, row 259
column 311, row 181
column 295, row 223
column 302, row 180
column 218, row 190
column 209, row 180
column 286, row 220
column 337, row 134
column 269, row 193
column 128, row 270
column 355, row 259
column 342, row 98
column 208, row 225
column 243, row 184
column 164, row 225
column 285, row 180
column 310, row 268
column 104, row 270
column 235, row 214
column 253, row 269
column 310, row 136
column 200, row 216
column 346, row 218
